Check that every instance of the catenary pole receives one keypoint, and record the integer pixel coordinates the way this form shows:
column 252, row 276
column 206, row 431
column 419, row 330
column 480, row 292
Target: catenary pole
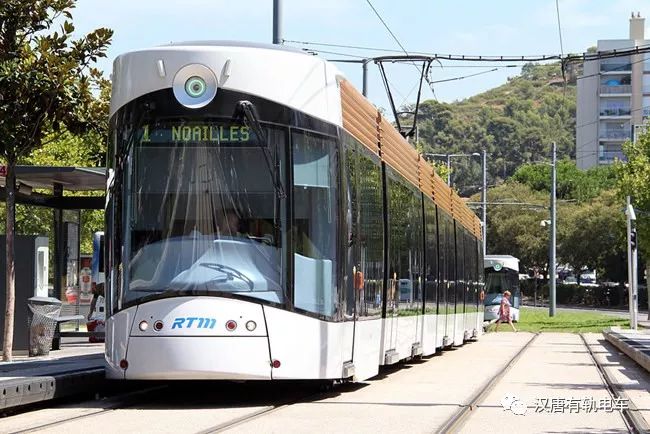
column 484, row 202
column 277, row 22
column 552, row 261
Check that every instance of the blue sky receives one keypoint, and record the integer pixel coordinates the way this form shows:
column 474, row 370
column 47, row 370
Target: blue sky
column 497, row 27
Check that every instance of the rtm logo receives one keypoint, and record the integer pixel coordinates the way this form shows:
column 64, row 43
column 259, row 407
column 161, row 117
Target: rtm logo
column 199, row 323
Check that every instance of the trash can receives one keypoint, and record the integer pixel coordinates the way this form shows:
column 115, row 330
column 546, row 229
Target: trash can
column 42, row 319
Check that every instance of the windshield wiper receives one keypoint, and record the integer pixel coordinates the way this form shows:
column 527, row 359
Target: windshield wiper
column 250, row 115
column 230, row 272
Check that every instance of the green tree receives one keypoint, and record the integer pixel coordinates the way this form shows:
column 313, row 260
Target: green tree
column 572, row 183
column 595, row 238
column 515, row 229
column 46, row 83
column 515, row 122
column 633, row 179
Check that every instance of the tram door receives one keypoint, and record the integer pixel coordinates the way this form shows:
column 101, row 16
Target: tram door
column 365, row 255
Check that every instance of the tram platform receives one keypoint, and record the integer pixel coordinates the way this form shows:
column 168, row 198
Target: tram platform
column 633, row 343
column 76, row 368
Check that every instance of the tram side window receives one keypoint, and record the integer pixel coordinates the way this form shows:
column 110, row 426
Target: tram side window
column 461, row 281
column 405, row 214
column 451, row 265
column 443, row 259
column 315, row 225
column 371, row 237
column 470, row 299
column 431, row 246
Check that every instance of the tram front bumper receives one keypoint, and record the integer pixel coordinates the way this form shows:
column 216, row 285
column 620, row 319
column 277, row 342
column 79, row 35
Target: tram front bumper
column 194, row 358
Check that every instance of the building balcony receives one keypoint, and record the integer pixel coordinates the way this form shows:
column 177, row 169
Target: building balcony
column 615, row 112
column 615, row 67
column 608, row 157
column 616, row 89
column 614, row 134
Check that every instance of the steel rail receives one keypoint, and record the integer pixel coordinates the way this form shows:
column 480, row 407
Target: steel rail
column 632, row 417
column 455, row 422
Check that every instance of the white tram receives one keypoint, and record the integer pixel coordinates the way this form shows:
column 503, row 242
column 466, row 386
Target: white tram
column 264, row 221
column 501, row 274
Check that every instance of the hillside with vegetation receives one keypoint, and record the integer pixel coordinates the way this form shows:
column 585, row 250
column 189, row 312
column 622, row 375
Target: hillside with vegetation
column 516, row 122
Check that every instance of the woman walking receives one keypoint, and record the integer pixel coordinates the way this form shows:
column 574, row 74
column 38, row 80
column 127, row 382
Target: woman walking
column 504, row 312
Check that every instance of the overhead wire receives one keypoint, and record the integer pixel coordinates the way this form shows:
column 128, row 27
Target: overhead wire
column 637, row 49
column 469, row 75
column 421, row 71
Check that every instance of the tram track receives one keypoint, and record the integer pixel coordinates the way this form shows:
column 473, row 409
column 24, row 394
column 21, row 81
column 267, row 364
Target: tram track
column 458, row 419
column 265, row 411
column 632, row 417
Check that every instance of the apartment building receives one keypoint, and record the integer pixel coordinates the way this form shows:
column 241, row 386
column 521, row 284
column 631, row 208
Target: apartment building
column 613, row 99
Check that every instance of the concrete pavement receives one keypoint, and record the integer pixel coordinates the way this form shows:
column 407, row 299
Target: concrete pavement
column 555, row 379
column 415, row 399
column 555, row 370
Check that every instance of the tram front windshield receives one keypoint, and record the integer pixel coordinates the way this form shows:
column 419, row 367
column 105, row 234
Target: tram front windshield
column 497, row 282
column 203, row 212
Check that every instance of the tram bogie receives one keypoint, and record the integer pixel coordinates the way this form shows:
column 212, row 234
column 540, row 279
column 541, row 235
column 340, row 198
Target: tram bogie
column 256, row 231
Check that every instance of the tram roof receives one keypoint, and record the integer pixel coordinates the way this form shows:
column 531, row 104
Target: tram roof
column 227, row 43
column 70, row 178
column 506, row 261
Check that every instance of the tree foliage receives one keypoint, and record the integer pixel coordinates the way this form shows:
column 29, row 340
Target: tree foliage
column 595, row 238
column 572, row 183
column 46, row 85
column 516, row 122
column 634, row 180
column 591, row 225
column 46, row 80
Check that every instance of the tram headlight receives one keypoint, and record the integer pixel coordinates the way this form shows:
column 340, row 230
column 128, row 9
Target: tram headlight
column 251, row 325
column 195, row 86
column 143, row 326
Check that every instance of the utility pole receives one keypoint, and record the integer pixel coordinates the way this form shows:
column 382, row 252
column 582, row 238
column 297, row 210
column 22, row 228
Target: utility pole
column 484, row 200
column 364, row 89
column 449, row 170
column 277, row 22
column 632, row 264
column 551, row 264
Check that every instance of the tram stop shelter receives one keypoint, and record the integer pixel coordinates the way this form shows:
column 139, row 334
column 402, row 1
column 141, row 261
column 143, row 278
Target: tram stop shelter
column 56, row 188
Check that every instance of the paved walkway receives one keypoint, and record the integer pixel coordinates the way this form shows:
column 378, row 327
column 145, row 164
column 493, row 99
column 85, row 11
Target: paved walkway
column 555, row 370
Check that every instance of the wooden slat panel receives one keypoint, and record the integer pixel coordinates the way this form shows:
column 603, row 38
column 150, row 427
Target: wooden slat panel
column 441, row 193
column 363, row 121
column 359, row 117
column 397, row 152
column 425, row 175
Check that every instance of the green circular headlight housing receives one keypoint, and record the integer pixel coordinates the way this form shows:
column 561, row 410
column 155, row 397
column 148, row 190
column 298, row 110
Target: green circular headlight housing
column 195, row 87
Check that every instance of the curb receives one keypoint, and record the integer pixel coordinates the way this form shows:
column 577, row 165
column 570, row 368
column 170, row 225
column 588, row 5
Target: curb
column 627, row 346
column 28, row 390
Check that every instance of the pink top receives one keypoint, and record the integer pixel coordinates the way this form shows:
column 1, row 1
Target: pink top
column 504, row 310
